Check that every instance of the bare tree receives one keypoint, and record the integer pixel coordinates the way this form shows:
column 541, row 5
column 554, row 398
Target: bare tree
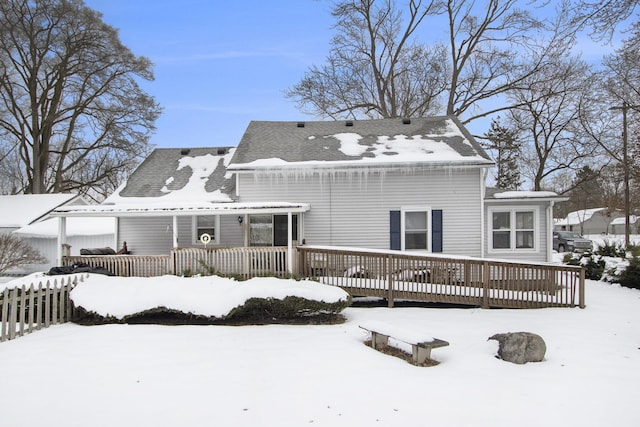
column 499, row 48
column 549, row 119
column 375, row 68
column 70, row 104
column 378, row 68
column 15, row 252
column 603, row 16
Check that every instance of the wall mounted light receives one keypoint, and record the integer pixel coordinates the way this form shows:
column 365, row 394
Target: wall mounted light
column 240, row 219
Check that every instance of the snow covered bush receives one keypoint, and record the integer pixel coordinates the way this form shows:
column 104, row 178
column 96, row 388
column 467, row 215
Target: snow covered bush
column 611, row 248
column 630, row 276
column 291, row 309
column 594, row 265
column 205, row 300
column 611, row 262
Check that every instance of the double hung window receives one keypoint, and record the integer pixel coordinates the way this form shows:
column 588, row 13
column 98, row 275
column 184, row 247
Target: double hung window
column 416, row 224
column 206, row 225
column 512, row 230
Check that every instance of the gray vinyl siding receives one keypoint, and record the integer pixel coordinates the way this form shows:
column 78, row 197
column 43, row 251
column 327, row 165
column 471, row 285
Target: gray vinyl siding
column 352, row 209
column 154, row 235
column 543, row 233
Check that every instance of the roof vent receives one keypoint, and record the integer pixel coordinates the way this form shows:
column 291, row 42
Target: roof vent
column 349, row 123
column 406, row 121
column 300, row 124
column 184, row 151
column 221, row 151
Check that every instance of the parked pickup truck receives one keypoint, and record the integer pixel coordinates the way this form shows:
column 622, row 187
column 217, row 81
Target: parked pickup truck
column 569, row 241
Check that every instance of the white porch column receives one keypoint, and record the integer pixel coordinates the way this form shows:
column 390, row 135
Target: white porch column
column 116, row 234
column 289, row 243
column 174, row 232
column 62, row 237
column 550, row 231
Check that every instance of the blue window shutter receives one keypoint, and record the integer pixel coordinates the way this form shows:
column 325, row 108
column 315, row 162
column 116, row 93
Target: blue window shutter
column 394, row 227
column 436, row 230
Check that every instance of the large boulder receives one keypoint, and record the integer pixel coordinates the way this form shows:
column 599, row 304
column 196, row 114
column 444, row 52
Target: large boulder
column 520, row 347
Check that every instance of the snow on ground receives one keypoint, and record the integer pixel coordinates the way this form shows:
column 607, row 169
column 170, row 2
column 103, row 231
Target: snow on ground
column 280, row 375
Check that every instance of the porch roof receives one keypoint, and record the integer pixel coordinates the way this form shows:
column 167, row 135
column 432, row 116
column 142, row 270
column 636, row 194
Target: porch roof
column 178, row 209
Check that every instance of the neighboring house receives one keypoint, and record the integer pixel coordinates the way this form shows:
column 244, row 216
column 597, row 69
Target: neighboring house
column 404, row 184
column 617, row 225
column 21, row 210
column 588, row 221
column 81, row 233
column 24, row 215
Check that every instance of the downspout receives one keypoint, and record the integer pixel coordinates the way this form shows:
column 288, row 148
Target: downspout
column 483, row 185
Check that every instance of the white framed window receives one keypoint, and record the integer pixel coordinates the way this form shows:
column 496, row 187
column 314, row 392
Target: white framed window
column 261, row 230
column 271, row 230
column 206, row 224
column 513, row 229
column 416, row 228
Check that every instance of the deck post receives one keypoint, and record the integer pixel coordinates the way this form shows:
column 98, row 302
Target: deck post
column 485, row 284
column 581, row 289
column 390, row 280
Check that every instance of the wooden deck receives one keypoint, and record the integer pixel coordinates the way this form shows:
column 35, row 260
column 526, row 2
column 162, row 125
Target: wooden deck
column 468, row 281
column 390, row 275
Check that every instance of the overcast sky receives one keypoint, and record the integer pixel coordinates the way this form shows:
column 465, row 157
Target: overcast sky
column 220, row 64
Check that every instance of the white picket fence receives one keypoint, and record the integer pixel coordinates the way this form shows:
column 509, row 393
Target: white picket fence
column 35, row 306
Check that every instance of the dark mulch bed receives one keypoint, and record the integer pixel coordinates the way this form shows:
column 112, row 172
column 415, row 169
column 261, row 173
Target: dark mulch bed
column 186, row 319
column 171, row 317
column 396, row 352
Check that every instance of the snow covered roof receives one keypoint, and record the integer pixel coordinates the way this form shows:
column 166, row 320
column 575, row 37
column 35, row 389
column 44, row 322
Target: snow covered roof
column 177, row 208
column 179, row 182
column 22, row 209
column 510, row 195
column 178, row 175
column 358, row 143
column 578, row 217
column 622, row 220
column 75, row 227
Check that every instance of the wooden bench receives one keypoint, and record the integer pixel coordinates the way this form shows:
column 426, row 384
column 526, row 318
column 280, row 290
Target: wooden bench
column 421, row 344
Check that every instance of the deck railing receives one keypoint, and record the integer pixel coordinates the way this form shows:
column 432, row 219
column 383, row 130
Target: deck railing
column 32, row 307
column 243, row 261
column 470, row 281
column 386, row 274
column 126, row 265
